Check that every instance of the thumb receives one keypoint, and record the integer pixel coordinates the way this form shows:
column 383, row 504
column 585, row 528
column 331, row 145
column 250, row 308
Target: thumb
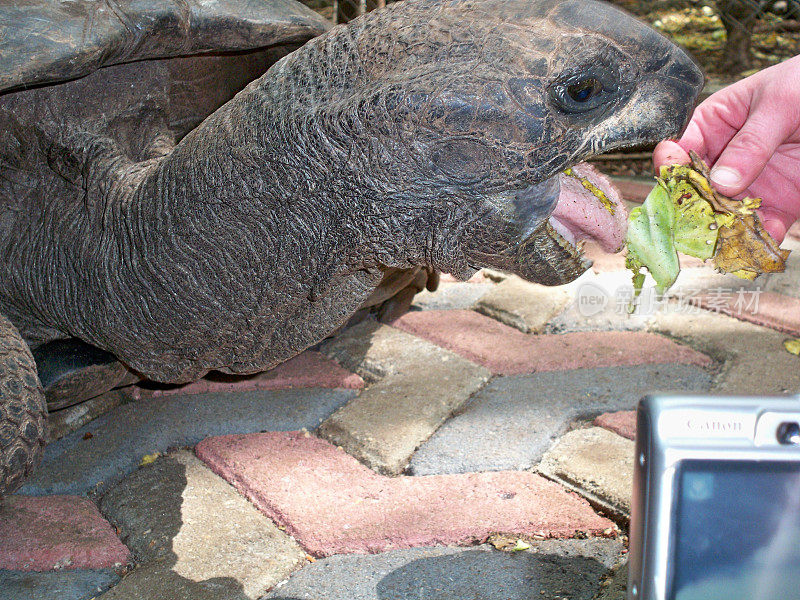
column 749, row 150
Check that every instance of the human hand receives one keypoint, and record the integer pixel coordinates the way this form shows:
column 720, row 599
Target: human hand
column 749, row 132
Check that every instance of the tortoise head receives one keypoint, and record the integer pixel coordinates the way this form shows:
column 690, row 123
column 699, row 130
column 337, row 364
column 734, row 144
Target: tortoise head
column 469, row 111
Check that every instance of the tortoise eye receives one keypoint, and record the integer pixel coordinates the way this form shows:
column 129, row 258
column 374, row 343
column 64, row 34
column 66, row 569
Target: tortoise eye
column 584, row 90
column 581, row 94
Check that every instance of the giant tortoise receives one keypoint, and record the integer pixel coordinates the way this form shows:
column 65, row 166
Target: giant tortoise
column 192, row 185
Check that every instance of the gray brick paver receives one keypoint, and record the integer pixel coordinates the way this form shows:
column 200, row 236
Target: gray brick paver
column 102, row 452
column 511, row 422
column 76, row 584
column 420, row 385
column 549, row 571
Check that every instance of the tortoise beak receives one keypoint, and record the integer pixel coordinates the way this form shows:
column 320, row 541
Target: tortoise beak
column 547, row 258
column 661, row 105
column 689, row 81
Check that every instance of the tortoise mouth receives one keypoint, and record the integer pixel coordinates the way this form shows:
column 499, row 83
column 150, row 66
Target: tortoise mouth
column 585, row 206
column 589, row 207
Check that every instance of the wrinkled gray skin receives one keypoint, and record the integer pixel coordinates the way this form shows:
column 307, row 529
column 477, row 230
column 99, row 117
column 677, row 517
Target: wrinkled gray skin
column 411, row 137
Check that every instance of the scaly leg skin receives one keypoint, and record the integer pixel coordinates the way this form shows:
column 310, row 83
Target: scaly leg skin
column 393, row 297
column 400, row 303
column 23, row 412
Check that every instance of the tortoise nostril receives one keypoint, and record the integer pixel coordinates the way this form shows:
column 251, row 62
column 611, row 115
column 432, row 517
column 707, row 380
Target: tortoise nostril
column 682, row 67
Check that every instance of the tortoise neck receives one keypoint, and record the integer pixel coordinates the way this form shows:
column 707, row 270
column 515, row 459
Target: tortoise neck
column 287, row 158
column 238, row 249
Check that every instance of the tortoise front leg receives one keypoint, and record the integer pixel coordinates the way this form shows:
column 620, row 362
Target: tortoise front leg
column 415, row 281
column 23, row 412
column 395, row 293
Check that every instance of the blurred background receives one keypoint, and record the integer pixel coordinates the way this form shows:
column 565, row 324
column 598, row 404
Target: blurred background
column 730, row 38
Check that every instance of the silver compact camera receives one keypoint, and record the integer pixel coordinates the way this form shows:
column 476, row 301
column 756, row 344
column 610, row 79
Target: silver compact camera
column 716, row 499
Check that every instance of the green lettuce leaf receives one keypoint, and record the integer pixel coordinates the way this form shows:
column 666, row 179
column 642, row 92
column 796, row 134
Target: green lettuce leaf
column 651, row 241
column 685, row 214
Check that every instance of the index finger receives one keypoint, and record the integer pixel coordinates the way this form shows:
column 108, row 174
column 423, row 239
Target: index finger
column 715, row 122
column 669, row 153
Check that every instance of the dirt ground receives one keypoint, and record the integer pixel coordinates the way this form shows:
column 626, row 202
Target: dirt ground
column 697, row 27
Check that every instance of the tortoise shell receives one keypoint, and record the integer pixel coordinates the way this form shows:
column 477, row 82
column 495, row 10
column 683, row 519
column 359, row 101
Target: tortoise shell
column 46, row 41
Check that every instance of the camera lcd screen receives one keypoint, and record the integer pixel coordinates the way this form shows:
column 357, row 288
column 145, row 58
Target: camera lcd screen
column 736, row 531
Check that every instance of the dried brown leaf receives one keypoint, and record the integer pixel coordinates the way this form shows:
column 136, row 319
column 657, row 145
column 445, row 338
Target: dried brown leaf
column 746, row 246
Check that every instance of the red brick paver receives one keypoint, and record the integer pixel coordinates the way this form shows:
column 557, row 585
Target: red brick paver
column 56, row 532
column 307, row 370
column 506, row 351
column 633, row 191
column 332, row 504
column 768, row 309
column 622, row 423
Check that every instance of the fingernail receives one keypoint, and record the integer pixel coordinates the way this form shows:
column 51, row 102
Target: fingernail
column 725, row 176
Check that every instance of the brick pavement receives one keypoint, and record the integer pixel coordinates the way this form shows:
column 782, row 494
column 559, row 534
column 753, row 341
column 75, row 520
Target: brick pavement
column 550, row 570
column 101, row 453
column 506, row 351
column 57, row 532
column 417, row 386
column 180, row 520
column 333, row 504
column 528, row 307
column 535, row 430
column 511, row 422
column 622, row 422
column 597, row 464
column 307, row 370
column 49, row 585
